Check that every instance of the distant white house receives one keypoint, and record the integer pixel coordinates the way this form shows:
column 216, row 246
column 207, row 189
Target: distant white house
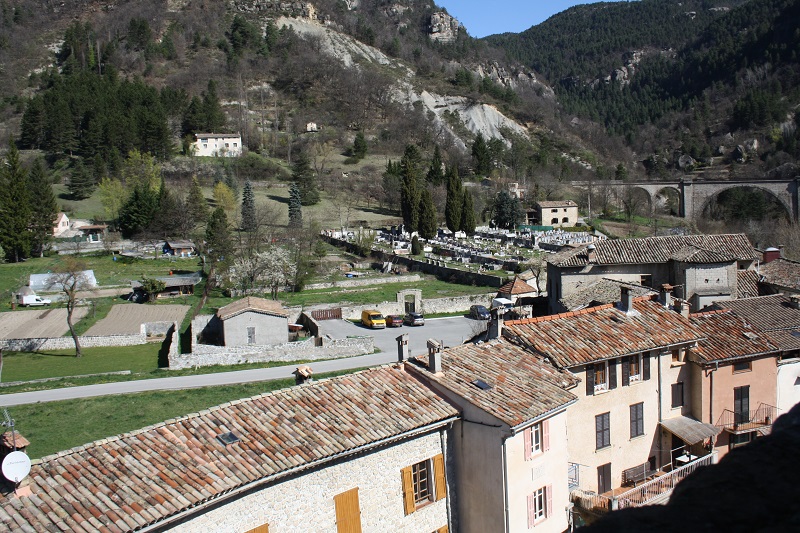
column 61, row 225
column 217, row 144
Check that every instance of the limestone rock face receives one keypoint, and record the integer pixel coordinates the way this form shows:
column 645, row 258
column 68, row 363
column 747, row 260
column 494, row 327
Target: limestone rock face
column 443, row 28
column 303, row 10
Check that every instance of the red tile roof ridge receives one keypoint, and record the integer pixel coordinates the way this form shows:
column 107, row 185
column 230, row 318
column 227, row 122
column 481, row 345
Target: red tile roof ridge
column 711, row 312
column 203, row 412
column 548, row 318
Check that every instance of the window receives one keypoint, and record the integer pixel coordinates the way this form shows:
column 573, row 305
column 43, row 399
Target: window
column 554, row 210
column 564, row 220
column 741, row 404
column 348, row 512
column 741, row 440
column 251, row 335
column 743, row 366
column 678, row 355
column 554, row 220
column 601, row 376
column 637, row 420
column 423, row 482
column 602, row 426
column 537, row 439
column 635, row 368
column 540, row 505
column 677, row 394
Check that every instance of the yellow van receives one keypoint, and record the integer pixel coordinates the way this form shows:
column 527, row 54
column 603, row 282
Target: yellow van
column 373, row 319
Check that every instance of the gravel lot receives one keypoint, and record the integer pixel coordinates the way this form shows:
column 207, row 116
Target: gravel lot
column 126, row 319
column 37, row 323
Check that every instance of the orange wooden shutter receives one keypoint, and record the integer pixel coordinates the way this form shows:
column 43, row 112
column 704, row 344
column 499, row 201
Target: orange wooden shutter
column 438, row 474
column 260, row 529
column 408, row 490
column 443, row 529
column 348, row 512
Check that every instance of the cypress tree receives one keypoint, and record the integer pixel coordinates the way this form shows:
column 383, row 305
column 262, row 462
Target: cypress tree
column 44, row 210
column 196, row 203
column 435, row 175
column 218, row 238
column 360, row 146
column 15, row 207
column 452, row 207
column 467, row 214
column 249, row 222
column 481, row 156
column 410, row 193
column 295, row 206
column 427, row 215
column 303, row 175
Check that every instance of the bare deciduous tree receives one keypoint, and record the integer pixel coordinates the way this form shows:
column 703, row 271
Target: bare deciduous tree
column 69, row 278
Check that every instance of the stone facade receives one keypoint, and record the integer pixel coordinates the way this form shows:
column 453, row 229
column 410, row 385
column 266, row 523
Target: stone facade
column 455, row 304
column 66, row 343
column 305, row 502
column 254, row 328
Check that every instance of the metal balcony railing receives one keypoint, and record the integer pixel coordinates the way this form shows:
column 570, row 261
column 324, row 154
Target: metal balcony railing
column 747, row 420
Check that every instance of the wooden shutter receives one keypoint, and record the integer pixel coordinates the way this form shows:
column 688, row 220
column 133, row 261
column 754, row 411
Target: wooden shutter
column 409, row 505
column 626, row 371
column 531, row 510
column 260, row 529
column 527, row 437
column 348, row 512
column 548, row 497
column 645, row 366
column 589, row 380
column 440, row 480
column 612, row 374
column 545, row 435
column 443, row 529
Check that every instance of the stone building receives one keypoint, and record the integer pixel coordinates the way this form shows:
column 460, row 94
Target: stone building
column 342, row 454
column 558, row 214
column 254, row 321
column 703, row 268
column 217, row 145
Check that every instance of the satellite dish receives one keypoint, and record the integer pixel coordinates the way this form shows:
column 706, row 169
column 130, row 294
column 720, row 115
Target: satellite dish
column 16, row 466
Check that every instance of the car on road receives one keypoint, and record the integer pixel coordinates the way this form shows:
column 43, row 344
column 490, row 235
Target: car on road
column 479, row 312
column 394, row 321
column 373, row 319
column 414, row 319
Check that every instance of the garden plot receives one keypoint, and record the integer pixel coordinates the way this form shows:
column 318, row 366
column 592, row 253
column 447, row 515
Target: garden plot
column 126, row 319
column 41, row 323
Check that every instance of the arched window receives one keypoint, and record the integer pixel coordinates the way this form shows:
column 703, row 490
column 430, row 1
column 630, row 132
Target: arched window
column 565, row 220
column 554, row 221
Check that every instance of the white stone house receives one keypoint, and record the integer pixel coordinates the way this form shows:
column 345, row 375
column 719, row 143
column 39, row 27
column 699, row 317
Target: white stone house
column 511, row 441
column 217, row 145
column 61, row 225
column 253, row 321
column 349, row 453
column 559, row 214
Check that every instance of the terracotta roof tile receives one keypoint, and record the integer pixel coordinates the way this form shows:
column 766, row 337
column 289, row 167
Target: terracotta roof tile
column 523, row 386
column 766, row 313
column 251, row 303
column 747, row 284
column 516, row 286
column 782, row 273
column 170, row 467
column 556, row 203
column 602, row 291
column 728, row 337
column 690, row 248
column 603, row 332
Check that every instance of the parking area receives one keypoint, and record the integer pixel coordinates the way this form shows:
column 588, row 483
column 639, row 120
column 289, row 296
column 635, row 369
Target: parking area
column 452, row 331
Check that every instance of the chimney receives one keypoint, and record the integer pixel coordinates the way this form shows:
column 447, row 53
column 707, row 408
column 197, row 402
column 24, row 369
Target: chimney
column 794, row 301
column 771, row 254
column 592, row 253
column 495, row 330
column 435, row 356
column 402, row 348
column 303, row 374
column 685, row 308
column 665, row 295
column 626, row 300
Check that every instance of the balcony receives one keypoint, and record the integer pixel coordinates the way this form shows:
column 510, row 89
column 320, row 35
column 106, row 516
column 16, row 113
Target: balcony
column 745, row 422
column 654, row 491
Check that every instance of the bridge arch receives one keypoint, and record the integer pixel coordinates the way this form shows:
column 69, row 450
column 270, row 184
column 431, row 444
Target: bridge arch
column 788, row 209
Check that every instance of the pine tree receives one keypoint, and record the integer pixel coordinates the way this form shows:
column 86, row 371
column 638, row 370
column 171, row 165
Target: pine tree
column 435, row 175
column 44, row 210
column 81, row 182
column 468, row 214
column 15, row 207
column 481, row 156
column 410, row 193
column 295, row 207
column 212, row 111
column 303, row 175
column 249, row 222
column 360, row 146
column 218, row 238
column 196, row 203
column 427, row 215
column 167, row 218
column 139, row 210
column 452, row 207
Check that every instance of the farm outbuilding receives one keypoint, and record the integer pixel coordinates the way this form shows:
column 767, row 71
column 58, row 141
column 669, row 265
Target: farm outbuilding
column 254, row 321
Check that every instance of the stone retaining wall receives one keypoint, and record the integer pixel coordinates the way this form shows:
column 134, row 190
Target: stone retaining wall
column 360, row 282
column 308, row 350
column 66, row 343
column 457, row 304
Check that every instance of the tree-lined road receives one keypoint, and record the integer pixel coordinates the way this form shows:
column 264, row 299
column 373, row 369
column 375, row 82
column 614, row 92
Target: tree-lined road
column 451, row 331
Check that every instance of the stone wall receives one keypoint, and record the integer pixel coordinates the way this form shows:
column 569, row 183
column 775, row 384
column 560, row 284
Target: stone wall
column 360, row 282
column 66, row 343
column 306, row 501
column 455, row 304
column 313, row 349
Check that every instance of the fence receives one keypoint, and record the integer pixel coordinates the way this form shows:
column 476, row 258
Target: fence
column 327, row 314
column 660, row 486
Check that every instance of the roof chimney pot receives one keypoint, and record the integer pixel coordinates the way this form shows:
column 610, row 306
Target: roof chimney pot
column 402, row 347
column 435, row 356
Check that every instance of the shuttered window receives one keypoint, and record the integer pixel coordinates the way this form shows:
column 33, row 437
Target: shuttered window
column 540, row 505
column 545, row 435
column 637, row 420
column 260, row 529
column 602, row 425
column 348, row 512
column 423, row 482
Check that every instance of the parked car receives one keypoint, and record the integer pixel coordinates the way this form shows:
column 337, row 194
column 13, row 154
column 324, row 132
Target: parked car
column 394, row 321
column 414, row 319
column 479, row 312
column 373, row 319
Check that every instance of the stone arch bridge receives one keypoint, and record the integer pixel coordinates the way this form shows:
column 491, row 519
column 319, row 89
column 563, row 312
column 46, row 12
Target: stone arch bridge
column 695, row 195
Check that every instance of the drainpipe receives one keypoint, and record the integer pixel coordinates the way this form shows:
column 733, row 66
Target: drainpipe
column 505, row 486
column 711, row 393
column 660, row 401
column 443, row 445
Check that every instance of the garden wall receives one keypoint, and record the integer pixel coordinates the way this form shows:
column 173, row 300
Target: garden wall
column 360, row 282
column 308, row 350
column 66, row 343
column 456, row 304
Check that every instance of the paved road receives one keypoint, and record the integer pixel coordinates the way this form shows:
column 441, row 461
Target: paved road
column 451, row 330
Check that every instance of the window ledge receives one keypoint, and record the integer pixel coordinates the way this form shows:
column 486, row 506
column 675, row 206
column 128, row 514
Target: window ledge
column 637, row 437
column 673, row 364
column 604, row 448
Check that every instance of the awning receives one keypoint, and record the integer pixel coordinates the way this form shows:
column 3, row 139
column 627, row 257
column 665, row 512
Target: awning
column 689, row 430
